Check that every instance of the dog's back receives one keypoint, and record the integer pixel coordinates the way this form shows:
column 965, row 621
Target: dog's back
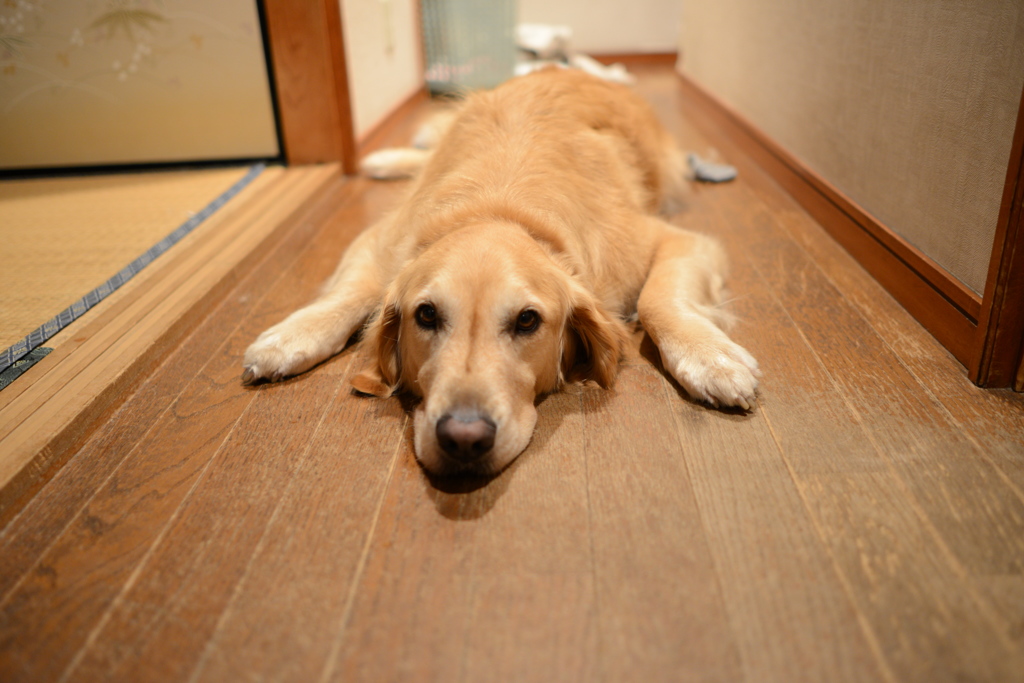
column 572, row 158
column 559, row 123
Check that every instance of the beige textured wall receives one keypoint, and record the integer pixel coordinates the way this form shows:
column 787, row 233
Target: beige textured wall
column 610, row 26
column 382, row 49
column 907, row 106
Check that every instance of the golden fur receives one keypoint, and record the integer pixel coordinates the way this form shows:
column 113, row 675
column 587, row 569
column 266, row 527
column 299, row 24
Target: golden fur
column 538, row 206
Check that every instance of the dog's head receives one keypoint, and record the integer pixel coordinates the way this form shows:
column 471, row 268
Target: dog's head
column 479, row 324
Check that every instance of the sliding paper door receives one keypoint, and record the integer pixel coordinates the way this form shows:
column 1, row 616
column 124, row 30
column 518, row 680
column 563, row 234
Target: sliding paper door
column 98, row 82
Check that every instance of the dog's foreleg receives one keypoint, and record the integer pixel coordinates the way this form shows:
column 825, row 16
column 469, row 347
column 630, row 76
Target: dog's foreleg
column 678, row 307
column 320, row 330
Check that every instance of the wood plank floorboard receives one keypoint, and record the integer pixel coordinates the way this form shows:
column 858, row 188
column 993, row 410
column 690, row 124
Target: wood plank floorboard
column 531, row 579
column 54, row 506
column 151, row 484
column 256, row 490
column 972, row 516
column 411, row 599
column 779, row 584
column 823, row 473
column 660, row 602
column 864, row 522
column 193, row 570
column 993, row 418
column 284, row 615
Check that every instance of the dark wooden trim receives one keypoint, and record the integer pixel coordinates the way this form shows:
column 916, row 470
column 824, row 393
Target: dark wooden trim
column 940, row 302
column 998, row 361
column 342, row 93
column 376, row 136
column 638, row 58
column 307, row 52
column 421, row 45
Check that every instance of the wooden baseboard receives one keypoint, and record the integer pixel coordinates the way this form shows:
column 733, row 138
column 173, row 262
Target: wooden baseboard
column 52, row 409
column 632, row 59
column 376, row 136
column 947, row 309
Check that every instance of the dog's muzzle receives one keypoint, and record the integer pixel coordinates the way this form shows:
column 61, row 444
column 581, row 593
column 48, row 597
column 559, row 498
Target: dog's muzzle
column 465, row 438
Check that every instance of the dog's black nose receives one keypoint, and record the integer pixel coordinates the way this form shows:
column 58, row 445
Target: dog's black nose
column 465, row 438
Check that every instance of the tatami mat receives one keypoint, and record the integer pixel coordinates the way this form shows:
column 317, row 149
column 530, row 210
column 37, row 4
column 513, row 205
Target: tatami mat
column 62, row 237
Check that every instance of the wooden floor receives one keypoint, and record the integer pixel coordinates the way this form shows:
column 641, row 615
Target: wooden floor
column 865, row 522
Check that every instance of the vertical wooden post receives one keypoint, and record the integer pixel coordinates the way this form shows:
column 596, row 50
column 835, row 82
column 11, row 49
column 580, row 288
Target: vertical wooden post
column 998, row 357
column 307, row 53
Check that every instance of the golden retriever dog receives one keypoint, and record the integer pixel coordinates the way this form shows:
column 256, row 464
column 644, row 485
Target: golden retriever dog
column 530, row 235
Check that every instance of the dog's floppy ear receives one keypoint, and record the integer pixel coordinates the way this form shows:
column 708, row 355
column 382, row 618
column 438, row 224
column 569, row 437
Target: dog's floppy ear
column 381, row 377
column 592, row 342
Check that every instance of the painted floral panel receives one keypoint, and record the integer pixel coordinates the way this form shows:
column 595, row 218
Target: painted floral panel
column 86, row 82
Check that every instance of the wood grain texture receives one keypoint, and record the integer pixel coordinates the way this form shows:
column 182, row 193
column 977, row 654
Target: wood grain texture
column 829, row 328
column 531, row 587
column 77, row 385
column 633, row 59
column 992, row 419
column 154, row 480
column 286, row 609
column 301, row 446
column 234, row 458
column 87, row 565
column 864, row 522
column 417, row 613
column 660, row 604
column 999, row 351
column 473, row 582
column 78, row 480
column 753, row 506
column 902, row 431
column 307, row 54
column 204, row 550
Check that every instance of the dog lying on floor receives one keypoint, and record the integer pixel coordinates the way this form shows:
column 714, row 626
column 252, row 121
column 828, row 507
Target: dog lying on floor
column 528, row 237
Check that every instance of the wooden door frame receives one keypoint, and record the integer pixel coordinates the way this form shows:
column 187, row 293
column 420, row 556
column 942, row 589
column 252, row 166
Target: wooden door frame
column 306, row 47
column 1000, row 342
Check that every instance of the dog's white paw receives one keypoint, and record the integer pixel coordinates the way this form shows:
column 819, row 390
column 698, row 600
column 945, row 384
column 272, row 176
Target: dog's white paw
column 722, row 373
column 393, row 163
column 282, row 351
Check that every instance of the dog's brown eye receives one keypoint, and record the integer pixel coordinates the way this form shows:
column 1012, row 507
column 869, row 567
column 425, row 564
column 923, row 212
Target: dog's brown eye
column 528, row 321
column 426, row 317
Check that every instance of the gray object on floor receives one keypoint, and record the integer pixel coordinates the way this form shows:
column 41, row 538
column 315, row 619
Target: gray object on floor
column 708, row 172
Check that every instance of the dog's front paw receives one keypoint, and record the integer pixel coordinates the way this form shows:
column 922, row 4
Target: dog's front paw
column 722, row 374
column 282, row 351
